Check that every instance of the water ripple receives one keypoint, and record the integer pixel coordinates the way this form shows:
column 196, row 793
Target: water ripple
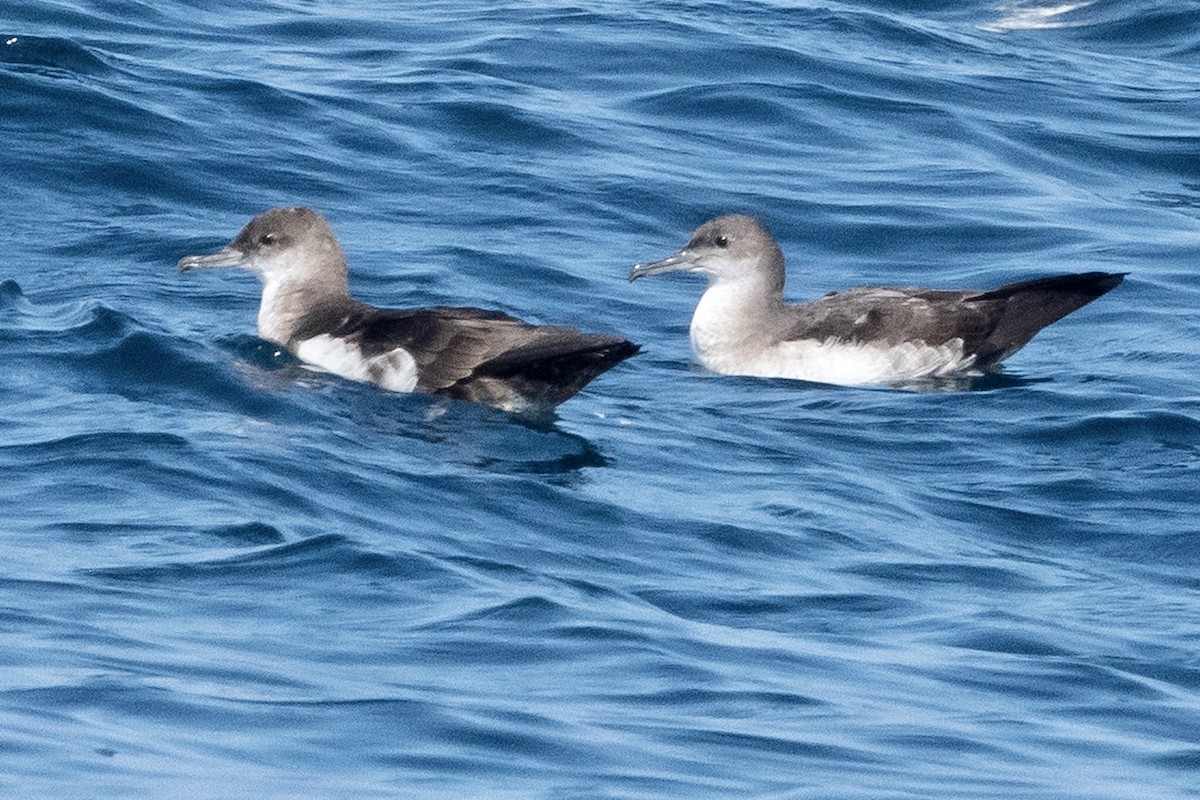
column 681, row 584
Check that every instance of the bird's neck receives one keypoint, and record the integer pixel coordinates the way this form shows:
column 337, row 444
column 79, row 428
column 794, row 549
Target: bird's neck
column 286, row 301
column 732, row 316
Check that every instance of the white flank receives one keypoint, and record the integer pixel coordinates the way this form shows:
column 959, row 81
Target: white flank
column 726, row 339
column 394, row 370
column 845, row 363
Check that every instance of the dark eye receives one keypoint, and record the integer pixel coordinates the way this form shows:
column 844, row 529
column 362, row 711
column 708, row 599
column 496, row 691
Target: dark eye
column 267, row 238
column 721, row 241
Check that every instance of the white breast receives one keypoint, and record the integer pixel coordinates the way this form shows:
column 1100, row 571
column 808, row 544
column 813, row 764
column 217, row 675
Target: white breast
column 395, row 370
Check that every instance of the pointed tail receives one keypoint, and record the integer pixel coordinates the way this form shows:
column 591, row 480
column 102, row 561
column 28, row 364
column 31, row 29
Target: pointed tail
column 545, row 373
column 1027, row 307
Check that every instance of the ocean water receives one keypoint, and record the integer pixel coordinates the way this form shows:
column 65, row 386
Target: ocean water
column 223, row 575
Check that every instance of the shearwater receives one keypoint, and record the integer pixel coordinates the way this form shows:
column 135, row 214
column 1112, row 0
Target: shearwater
column 869, row 335
column 466, row 353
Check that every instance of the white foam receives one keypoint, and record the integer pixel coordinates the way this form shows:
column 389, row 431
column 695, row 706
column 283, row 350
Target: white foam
column 1026, row 17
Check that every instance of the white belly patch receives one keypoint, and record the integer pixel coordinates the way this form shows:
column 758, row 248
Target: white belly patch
column 842, row 363
column 395, row 370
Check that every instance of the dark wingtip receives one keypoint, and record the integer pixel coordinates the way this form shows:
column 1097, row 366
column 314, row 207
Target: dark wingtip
column 1088, row 284
column 1113, row 279
column 547, row 376
column 1101, row 282
column 627, row 349
column 1029, row 306
column 616, row 349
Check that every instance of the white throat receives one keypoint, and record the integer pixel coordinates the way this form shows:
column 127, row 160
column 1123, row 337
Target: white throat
column 730, row 320
column 273, row 322
column 291, row 289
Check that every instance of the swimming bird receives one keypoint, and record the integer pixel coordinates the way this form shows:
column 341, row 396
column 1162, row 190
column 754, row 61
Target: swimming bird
column 465, row 353
column 867, row 335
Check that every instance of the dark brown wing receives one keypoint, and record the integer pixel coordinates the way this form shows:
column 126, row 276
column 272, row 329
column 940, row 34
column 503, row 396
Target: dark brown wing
column 476, row 354
column 888, row 316
column 992, row 325
column 548, row 369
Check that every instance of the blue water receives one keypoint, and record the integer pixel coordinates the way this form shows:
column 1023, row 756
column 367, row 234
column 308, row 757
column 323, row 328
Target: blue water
column 223, row 575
